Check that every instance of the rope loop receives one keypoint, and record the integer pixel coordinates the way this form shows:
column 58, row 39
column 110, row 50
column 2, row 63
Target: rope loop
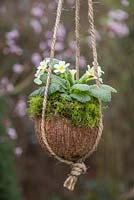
column 58, row 17
column 79, row 167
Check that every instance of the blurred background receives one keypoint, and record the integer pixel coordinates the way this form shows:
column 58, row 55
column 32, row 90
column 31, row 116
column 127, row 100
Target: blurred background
column 26, row 172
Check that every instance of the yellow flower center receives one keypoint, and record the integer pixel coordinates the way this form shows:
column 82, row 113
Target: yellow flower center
column 61, row 68
column 43, row 66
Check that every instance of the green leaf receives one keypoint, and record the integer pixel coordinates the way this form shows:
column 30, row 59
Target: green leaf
column 83, row 79
column 66, row 96
column 55, row 88
column 39, row 92
column 81, row 97
column 108, row 88
column 52, row 89
column 54, row 79
column 69, row 78
column 81, row 87
column 100, row 93
column 43, row 78
column 37, row 81
column 80, row 92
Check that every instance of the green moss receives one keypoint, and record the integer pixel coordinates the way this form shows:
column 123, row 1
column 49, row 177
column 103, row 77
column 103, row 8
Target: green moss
column 81, row 114
column 35, row 106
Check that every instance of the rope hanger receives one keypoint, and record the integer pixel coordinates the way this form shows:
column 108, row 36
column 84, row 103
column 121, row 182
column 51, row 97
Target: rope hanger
column 79, row 167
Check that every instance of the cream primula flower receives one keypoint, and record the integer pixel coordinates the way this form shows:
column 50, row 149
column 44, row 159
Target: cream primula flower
column 61, row 67
column 40, row 71
column 41, row 68
column 90, row 72
column 100, row 72
column 73, row 72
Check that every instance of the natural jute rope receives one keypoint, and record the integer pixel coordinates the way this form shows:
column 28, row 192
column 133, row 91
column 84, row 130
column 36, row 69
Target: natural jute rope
column 52, row 53
column 77, row 33
column 79, row 167
column 95, row 65
column 93, row 39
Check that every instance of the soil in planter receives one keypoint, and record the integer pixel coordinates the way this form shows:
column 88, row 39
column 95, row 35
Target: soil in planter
column 80, row 114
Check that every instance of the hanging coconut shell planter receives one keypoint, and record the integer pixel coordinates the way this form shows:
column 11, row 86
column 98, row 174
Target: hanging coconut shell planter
column 67, row 108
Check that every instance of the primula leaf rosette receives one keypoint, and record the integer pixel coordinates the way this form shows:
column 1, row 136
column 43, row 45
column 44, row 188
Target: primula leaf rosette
column 63, row 80
column 64, row 84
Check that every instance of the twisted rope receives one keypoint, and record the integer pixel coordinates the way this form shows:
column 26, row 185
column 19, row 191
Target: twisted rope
column 52, row 53
column 95, row 65
column 77, row 33
column 93, row 39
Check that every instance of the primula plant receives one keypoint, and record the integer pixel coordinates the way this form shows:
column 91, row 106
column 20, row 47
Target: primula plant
column 66, row 94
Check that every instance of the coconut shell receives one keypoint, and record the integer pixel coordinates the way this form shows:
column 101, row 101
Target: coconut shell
column 68, row 141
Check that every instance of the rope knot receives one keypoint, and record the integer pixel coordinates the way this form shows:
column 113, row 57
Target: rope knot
column 77, row 170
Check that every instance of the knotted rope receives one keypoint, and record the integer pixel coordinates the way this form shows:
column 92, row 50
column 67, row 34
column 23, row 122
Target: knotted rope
column 79, row 167
column 77, row 170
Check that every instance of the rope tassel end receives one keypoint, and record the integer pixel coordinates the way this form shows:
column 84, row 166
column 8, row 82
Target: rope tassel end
column 77, row 170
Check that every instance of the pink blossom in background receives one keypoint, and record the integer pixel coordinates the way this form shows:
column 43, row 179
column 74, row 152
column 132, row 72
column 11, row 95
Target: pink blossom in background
column 5, row 85
column 12, row 35
column 49, row 42
column 72, row 44
column 18, row 68
column 15, row 50
column 68, row 54
column 118, row 28
column 20, row 108
column 36, row 25
column 59, row 46
column 52, row 6
column 116, row 23
column 125, row 2
column 61, row 31
column 82, row 61
column 43, row 45
column 12, row 48
column 37, row 11
column 46, row 54
column 48, row 34
column 71, row 2
column 12, row 133
column 119, row 15
column 36, row 59
column 18, row 151
column 4, row 81
column 11, row 43
column 10, row 87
